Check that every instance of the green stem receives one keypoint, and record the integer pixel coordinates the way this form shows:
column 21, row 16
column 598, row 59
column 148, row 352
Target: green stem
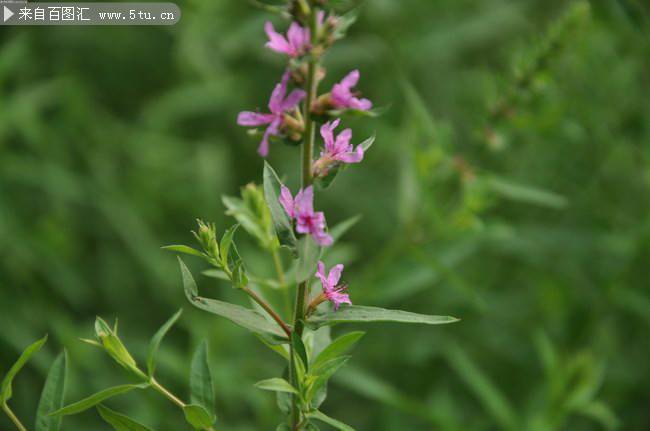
column 13, row 417
column 171, row 397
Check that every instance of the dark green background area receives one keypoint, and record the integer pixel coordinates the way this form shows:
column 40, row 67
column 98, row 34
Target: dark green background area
column 508, row 186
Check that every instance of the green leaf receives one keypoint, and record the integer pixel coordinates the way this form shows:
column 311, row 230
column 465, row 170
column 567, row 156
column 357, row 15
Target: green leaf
column 201, row 385
column 485, row 390
column 356, row 113
column 184, row 249
column 281, row 221
column 244, row 317
column 197, row 416
column 318, row 415
column 52, row 395
column 216, row 273
column 323, row 373
column 526, row 194
column 189, row 285
column 299, row 349
column 118, row 421
column 361, row 314
column 283, row 427
column 276, row 385
column 5, row 387
column 368, row 143
column 226, row 242
column 309, row 255
column 97, row 398
column 238, row 209
column 342, row 228
column 338, row 347
column 277, row 348
column 333, row 173
column 154, row 344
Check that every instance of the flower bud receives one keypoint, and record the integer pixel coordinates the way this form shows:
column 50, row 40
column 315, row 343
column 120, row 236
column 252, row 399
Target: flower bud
column 322, row 166
column 111, row 343
column 207, row 237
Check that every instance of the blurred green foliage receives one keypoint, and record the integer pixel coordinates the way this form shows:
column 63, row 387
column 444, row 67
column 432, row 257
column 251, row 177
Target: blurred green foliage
column 509, row 186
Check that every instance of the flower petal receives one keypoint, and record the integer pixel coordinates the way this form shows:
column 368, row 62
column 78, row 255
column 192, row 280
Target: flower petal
column 277, row 42
column 295, row 97
column 351, row 80
column 342, row 144
column 305, row 201
column 279, row 92
column 286, row 199
column 323, row 239
column 351, row 157
column 299, row 38
column 323, row 278
column 272, row 130
column 248, row 118
column 361, row 104
column 335, row 274
column 327, row 132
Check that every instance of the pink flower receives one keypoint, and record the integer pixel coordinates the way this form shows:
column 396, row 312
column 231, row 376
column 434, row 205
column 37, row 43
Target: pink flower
column 339, row 149
column 302, row 210
column 278, row 105
column 296, row 43
column 332, row 291
column 344, row 98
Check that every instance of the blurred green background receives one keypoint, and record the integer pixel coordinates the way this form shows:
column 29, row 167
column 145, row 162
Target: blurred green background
column 509, row 186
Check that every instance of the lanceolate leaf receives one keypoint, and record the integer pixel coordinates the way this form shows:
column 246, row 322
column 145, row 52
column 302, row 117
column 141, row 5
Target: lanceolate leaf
column 118, row 421
column 198, row 417
column 5, row 387
column 368, row 143
column 52, row 395
column 360, row 314
column 244, row 317
column 249, row 319
column 277, row 385
column 342, row 228
column 323, row 373
column 97, row 398
column 299, row 349
column 185, row 250
column 330, row 421
column 310, row 254
column 226, row 243
column 526, row 194
column 338, row 347
column 281, row 221
column 155, row 342
column 201, row 386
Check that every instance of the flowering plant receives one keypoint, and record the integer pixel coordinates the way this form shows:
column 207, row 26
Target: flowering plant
column 289, row 229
